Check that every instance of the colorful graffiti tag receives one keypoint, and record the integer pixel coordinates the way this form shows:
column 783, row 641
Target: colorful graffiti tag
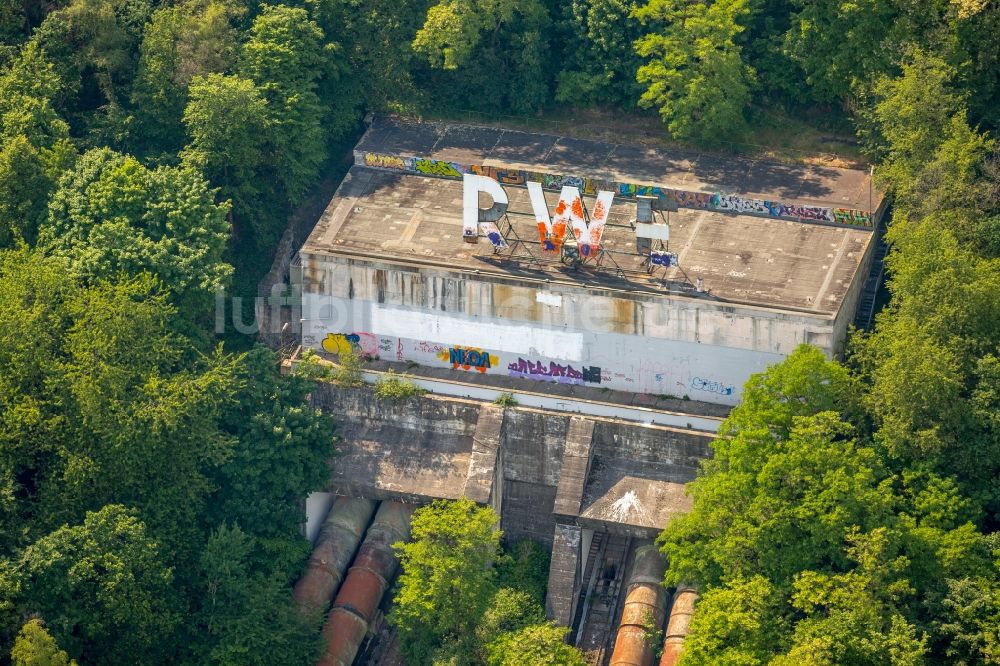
column 345, row 343
column 468, row 358
column 849, row 216
column 439, row 168
column 564, row 374
column 699, row 384
column 683, row 198
column 384, row 161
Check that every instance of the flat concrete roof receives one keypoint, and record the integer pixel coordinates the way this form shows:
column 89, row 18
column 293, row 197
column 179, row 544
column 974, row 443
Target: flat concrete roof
column 802, row 184
column 399, row 217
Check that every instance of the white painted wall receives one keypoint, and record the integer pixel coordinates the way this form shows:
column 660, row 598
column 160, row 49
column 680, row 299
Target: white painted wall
column 642, row 364
column 645, row 342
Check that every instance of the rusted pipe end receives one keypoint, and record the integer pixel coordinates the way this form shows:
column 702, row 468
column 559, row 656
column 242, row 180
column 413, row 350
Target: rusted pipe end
column 679, row 624
column 343, row 633
column 361, row 593
column 671, row 653
column 645, row 604
column 631, row 648
column 644, row 609
column 336, row 545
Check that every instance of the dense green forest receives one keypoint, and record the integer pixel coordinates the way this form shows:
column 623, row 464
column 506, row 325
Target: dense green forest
column 151, row 154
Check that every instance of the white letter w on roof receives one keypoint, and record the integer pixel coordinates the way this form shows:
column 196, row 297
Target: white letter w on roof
column 569, row 210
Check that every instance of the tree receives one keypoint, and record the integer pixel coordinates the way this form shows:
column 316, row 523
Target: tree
column 226, row 118
column 285, row 57
column 738, row 623
column 525, row 567
column 375, row 38
column 36, row 647
column 935, row 163
column 12, row 21
column 283, row 454
column 180, row 43
column 976, row 56
column 910, row 113
column 968, row 624
column 248, row 616
column 112, row 215
column 931, row 360
column 100, row 402
column 601, row 70
column 850, row 618
column 35, row 144
column 453, row 29
column 695, row 76
column 24, row 191
column 447, row 575
column 29, row 88
column 512, row 68
column 509, row 611
column 841, row 45
column 536, row 644
column 103, row 587
column 93, row 44
column 777, row 508
column 809, row 543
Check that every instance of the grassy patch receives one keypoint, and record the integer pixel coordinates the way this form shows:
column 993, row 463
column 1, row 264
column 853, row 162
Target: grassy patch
column 505, row 399
column 393, row 388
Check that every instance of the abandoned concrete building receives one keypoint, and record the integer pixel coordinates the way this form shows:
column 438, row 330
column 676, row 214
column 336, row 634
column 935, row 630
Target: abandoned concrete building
column 621, row 294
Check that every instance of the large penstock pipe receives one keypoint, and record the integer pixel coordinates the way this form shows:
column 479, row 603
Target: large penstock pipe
column 366, row 583
column 338, row 540
column 645, row 605
column 681, row 612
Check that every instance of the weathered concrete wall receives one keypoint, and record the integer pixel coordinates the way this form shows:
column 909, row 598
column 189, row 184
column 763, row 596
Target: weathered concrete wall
column 640, row 342
column 554, row 477
column 437, row 447
column 847, row 312
column 412, row 451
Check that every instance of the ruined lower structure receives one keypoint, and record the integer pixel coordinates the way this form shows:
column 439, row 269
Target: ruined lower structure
column 594, row 490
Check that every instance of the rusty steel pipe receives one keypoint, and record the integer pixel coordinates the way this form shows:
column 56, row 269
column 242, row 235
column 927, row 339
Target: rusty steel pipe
column 645, row 605
column 681, row 612
column 367, row 581
column 338, row 540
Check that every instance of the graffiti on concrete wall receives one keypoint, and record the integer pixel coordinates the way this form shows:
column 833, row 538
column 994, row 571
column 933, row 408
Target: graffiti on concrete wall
column 428, row 347
column 385, row 161
column 468, row 358
column 855, row 218
column 439, row 168
column 709, row 386
column 589, row 186
column 505, row 176
column 345, row 343
column 607, row 360
column 564, row 374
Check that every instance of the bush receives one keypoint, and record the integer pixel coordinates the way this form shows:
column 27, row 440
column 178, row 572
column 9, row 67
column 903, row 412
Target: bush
column 311, row 367
column 349, row 371
column 506, row 399
column 395, row 389
column 525, row 566
column 509, row 610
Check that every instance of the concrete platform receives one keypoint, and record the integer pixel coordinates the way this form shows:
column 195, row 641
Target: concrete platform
column 752, row 178
column 744, row 259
